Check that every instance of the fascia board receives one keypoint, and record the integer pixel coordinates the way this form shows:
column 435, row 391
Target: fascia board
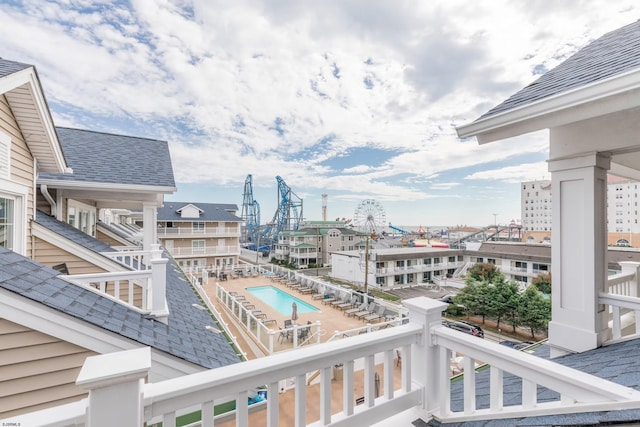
column 39, row 317
column 29, row 76
column 85, row 185
column 73, row 248
column 554, row 104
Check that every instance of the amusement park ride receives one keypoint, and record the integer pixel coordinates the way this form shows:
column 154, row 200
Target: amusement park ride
column 287, row 216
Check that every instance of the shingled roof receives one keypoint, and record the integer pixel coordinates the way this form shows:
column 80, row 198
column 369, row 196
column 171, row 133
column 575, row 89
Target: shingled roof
column 613, row 54
column 210, row 212
column 106, row 158
column 9, row 67
column 183, row 336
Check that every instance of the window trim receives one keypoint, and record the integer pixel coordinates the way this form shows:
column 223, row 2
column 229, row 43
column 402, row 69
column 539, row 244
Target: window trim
column 19, row 194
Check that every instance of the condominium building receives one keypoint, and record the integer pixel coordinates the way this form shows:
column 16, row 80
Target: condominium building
column 314, row 241
column 535, row 205
column 622, row 211
column 200, row 235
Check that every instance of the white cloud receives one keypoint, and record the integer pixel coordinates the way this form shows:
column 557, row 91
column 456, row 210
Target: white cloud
column 254, row 86
column 514, row 174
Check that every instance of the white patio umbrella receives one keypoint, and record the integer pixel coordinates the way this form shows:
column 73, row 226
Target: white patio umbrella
column 294, row 311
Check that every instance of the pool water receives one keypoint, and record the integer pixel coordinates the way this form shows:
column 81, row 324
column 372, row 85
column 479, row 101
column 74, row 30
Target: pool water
column 280, row 300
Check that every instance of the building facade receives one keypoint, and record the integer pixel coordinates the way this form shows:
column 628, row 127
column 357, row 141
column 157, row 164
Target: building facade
column 200, row 235
column 622, row 211
column 314, row 241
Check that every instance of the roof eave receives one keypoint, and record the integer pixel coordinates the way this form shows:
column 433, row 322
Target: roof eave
column 597, row 99
column 29, row 77
column 125, row 188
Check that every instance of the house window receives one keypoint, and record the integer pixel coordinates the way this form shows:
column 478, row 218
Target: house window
column 197, row 226
column 82, row 216
column 7, row 226
column 197, row 246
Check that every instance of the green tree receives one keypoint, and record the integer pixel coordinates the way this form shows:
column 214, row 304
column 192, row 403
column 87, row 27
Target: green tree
column 475, row 297
column 543, row 283
column 484, row 272
column 504, row 301
column 534, row 311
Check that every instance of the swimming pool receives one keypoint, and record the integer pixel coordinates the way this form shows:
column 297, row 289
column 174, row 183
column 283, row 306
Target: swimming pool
column 280, row 300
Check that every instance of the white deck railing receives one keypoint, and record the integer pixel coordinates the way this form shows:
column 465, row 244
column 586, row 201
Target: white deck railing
column 622, row 301
column 118, row 395
column 143, row 288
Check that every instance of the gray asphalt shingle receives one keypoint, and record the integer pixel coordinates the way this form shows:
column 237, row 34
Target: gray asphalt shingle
column 117, row 159
column 184, row 336
column 211, row 212
column 614, row 53
column 9, row 67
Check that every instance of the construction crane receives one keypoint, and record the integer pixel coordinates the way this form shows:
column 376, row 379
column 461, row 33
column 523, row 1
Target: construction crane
column 287, row 215
column 250, row 214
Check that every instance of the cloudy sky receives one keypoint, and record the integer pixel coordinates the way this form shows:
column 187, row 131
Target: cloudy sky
column 354, row 99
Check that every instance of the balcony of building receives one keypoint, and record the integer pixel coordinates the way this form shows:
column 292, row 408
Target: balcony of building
column 186, row 252
column 197, row 232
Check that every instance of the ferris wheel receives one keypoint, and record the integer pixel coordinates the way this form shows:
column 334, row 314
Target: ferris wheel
column 369, row 216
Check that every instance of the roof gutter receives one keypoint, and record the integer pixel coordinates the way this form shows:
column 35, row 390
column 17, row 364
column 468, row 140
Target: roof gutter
column 45, row 192
column 486, row 130
column 86, row 185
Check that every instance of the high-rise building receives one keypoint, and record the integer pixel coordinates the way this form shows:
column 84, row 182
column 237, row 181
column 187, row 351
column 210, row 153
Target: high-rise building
column 622, row 211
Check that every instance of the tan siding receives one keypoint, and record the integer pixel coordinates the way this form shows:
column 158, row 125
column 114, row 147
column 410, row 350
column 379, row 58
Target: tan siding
column 51, row 255
column 21, row 161
column 36, row 370
column 107, row 239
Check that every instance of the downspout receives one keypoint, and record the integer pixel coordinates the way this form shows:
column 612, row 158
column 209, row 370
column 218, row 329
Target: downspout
column 45, row 192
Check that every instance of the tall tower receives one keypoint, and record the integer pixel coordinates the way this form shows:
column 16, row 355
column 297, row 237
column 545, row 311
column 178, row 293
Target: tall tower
column 324, row 207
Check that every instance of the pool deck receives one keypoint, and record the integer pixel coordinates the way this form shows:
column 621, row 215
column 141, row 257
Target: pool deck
column 331, row 318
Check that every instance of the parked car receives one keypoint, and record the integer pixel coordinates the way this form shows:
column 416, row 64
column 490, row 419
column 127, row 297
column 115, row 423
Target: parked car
column 466, row 327
column 447, row 298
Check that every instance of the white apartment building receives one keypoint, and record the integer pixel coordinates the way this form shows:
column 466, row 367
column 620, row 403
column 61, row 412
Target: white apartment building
column 622, row 206
column 536, row 206
column 622, row 211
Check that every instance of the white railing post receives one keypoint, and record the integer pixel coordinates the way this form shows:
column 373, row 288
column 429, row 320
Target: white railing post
column 425, row 357
column 159, row 307
column 631, row 267
column 115, row 383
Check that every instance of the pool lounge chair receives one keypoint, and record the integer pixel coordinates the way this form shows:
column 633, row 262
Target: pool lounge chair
column 313, row 289
column 321, row 294
column 350, row 312
column 347, row 305
column 341, row 300
column 329, row 298
column 379, row 314
column 366, row 312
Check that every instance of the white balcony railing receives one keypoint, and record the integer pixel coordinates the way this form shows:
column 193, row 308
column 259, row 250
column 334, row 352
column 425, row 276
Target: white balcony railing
column 143, row 289
column 119, row 396
column 206, row 251
column 176, row 232
column 622, row 302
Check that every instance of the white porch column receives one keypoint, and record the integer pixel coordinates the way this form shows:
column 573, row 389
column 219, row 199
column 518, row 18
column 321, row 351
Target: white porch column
column 150, row 225
column 115, row 383
column 425, row 355
column 159, row 307
column 578, row 252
